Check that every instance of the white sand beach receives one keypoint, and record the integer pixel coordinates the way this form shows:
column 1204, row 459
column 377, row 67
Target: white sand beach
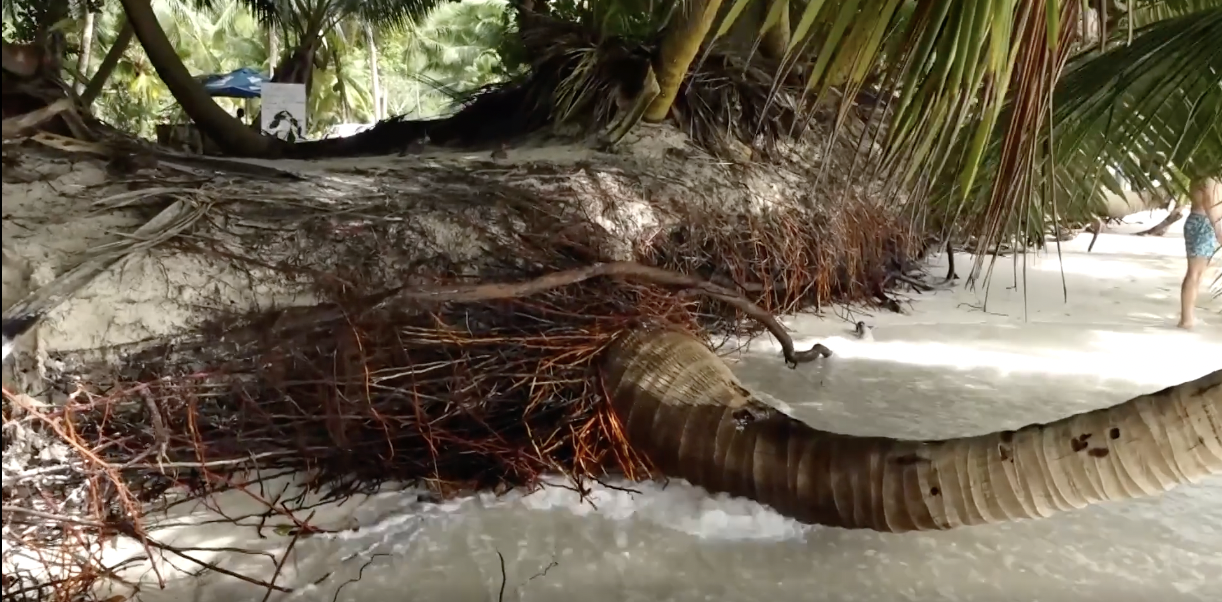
column 950, row 366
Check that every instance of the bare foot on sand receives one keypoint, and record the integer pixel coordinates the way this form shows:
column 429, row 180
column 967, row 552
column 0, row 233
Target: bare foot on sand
column 1191, row 324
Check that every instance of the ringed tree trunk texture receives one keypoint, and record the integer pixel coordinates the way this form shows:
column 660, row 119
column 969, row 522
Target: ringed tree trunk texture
column 375, row 82
column 682, row 41
column 682, row 407
column 86, row 56
column 213, row 121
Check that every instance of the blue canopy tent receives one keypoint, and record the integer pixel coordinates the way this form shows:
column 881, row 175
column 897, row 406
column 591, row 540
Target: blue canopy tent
column 241, row 83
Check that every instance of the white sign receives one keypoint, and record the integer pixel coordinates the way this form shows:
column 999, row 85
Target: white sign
column 283, row 113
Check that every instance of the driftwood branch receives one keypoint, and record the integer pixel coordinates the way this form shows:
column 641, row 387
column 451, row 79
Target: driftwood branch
column 16, row 126
column 621, row 269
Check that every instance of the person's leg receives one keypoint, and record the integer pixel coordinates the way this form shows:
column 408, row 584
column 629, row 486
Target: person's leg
column 1188, row 291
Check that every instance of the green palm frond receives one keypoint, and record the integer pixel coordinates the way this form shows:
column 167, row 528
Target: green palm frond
column 1149, row 12
column 394, row 15
column 1158, row 97
column 633, row 19
column 318, row 17
column 951, row 67
column 268, row 12
column 1143, row 118
column 968, row 89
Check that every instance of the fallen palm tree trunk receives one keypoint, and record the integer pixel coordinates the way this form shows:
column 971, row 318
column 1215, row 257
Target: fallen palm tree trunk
column 687, row 413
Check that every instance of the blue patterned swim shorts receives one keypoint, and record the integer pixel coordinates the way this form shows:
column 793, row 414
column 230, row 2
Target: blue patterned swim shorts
column 1199, row 236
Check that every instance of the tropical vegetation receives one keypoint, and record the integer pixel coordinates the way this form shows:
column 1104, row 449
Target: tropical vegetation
column 421, row 64
column 972, row 90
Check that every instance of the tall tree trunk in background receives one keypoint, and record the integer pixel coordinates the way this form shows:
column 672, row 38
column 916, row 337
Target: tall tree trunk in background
column 375, row 84
column 295, row 68
column 345, row 102
column 298, row 66
column 107, row 68
column 679, row 46
column 777, row 36
column 50, row 38
column 213, row 121
column 273, row 51
column 86, row 56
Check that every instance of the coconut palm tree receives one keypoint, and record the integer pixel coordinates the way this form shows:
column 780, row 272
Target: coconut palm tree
column 452, row 51
column 1145, row 115
column 984, row 106
column 136, row 96
column 1116, row 105
column 303, row 25
column 683, row 408
column 424, row 65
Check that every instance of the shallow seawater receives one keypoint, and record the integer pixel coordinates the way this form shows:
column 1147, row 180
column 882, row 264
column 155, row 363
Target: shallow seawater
column 675, row 542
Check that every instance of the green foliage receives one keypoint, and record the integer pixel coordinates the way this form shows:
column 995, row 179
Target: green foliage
column 638, row 20
column 423, row 65
column 22, row 20
column 454, row 50
column 973, row 83
column 303, row 19
column 1144, row 117
column 1149, row 110
column 213, row 40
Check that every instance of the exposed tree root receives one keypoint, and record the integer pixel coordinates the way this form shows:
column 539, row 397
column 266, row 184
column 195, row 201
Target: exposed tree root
column 918, row 285
column 1175, row 215
column 478, row 293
